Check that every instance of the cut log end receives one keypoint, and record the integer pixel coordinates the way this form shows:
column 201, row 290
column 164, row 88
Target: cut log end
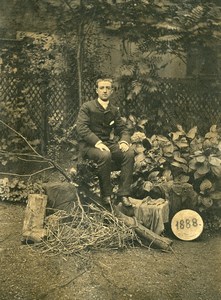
column 34, row 218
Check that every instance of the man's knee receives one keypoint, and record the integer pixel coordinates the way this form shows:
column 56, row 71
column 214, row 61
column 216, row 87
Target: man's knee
column 105, row 156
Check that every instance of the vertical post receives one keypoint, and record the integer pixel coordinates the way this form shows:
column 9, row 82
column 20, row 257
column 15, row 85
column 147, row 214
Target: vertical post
column 45, row 114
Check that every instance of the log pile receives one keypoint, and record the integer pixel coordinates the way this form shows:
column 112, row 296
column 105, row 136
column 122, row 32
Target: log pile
column 83, row 228
column 146, row 234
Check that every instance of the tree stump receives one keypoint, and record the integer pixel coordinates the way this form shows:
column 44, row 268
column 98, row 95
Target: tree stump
column 33, row 230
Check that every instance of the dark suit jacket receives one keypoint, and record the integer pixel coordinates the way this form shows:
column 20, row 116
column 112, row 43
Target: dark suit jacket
column 94, row 123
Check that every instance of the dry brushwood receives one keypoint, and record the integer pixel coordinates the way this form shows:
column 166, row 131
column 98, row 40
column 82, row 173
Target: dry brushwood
column 36, row 157
column 71, row 233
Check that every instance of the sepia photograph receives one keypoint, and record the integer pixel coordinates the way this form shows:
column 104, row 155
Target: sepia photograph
column 110, row 150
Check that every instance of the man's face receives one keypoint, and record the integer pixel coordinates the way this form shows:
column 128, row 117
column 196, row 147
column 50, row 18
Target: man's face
column 104, row 90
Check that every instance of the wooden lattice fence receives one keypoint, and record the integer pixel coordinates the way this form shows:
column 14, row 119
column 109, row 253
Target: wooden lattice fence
column 47, row 101
column 188, row 102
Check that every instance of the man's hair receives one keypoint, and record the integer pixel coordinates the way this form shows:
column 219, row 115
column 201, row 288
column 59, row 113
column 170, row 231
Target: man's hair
column 104, row 79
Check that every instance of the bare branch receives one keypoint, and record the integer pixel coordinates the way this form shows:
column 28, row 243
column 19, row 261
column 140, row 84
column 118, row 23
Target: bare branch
column 20, row 154
column 24, row 139
column 32, row 160
column 51, row 162
column 27, row 175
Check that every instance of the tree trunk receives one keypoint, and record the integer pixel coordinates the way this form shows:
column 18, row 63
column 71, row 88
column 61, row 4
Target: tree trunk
column 79, row 55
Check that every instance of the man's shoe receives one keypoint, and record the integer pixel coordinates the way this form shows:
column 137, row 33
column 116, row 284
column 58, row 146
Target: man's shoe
column 106, row 200
column 125, row 201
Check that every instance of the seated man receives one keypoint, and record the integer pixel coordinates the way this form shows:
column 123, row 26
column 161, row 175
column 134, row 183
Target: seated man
column 97, row 121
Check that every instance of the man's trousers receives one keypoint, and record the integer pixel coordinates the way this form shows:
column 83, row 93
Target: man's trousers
column 124, row 162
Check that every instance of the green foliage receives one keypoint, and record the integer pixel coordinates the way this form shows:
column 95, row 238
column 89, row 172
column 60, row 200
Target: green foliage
column 85, row 177
column 181, row 157
column 61, row 138
column 139, row 74
column 77, row 24
column 156, row 28
column 20, row 120
column 16, row 190
column 164, row 26
column 39, row 55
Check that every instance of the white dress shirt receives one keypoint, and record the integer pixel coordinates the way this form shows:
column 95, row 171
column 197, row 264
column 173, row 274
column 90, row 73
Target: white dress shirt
column 104, row 104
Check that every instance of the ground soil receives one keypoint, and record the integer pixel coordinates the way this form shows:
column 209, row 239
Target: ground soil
column 191, row 272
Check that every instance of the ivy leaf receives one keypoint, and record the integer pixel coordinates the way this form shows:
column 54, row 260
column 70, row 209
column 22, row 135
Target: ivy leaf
column 216, row 170
column 142, row 123
column 197, row 175
column 180, row 128
column 153, row 176
column 216, row 195
column 162, row 160
column 182, row 178
column 207, row 202
column 179, row 159
column 192, row 133
column 176, row 135
column 168, row 150
column 200, row 158
column 132, row 119
column 213, row 128
column 180, row 165
column 167, row 175
column 206, row 184
column 182, row 143
column 161, row 138
column 203, row 168
column 211, row 134
column 147, row 185
column 214, row 161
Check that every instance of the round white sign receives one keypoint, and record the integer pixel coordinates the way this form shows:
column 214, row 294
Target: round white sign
column 187, row 225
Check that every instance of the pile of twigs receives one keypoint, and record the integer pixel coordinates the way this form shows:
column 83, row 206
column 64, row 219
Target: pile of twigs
column 83, row 229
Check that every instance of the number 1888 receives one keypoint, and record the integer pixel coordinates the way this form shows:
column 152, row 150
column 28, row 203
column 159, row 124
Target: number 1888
column 186, row 223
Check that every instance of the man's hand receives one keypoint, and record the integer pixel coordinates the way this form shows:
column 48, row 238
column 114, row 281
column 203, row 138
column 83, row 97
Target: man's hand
column 102, row 147
column 123, row 147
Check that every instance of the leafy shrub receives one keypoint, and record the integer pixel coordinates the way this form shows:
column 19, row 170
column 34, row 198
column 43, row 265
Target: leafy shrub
column 16, row 190
column 180, row 158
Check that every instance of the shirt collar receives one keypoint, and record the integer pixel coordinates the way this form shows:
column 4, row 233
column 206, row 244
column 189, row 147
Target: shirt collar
column 104, row 104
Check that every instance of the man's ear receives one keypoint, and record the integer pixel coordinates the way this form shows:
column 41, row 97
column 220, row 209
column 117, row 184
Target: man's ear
column 96, row 91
